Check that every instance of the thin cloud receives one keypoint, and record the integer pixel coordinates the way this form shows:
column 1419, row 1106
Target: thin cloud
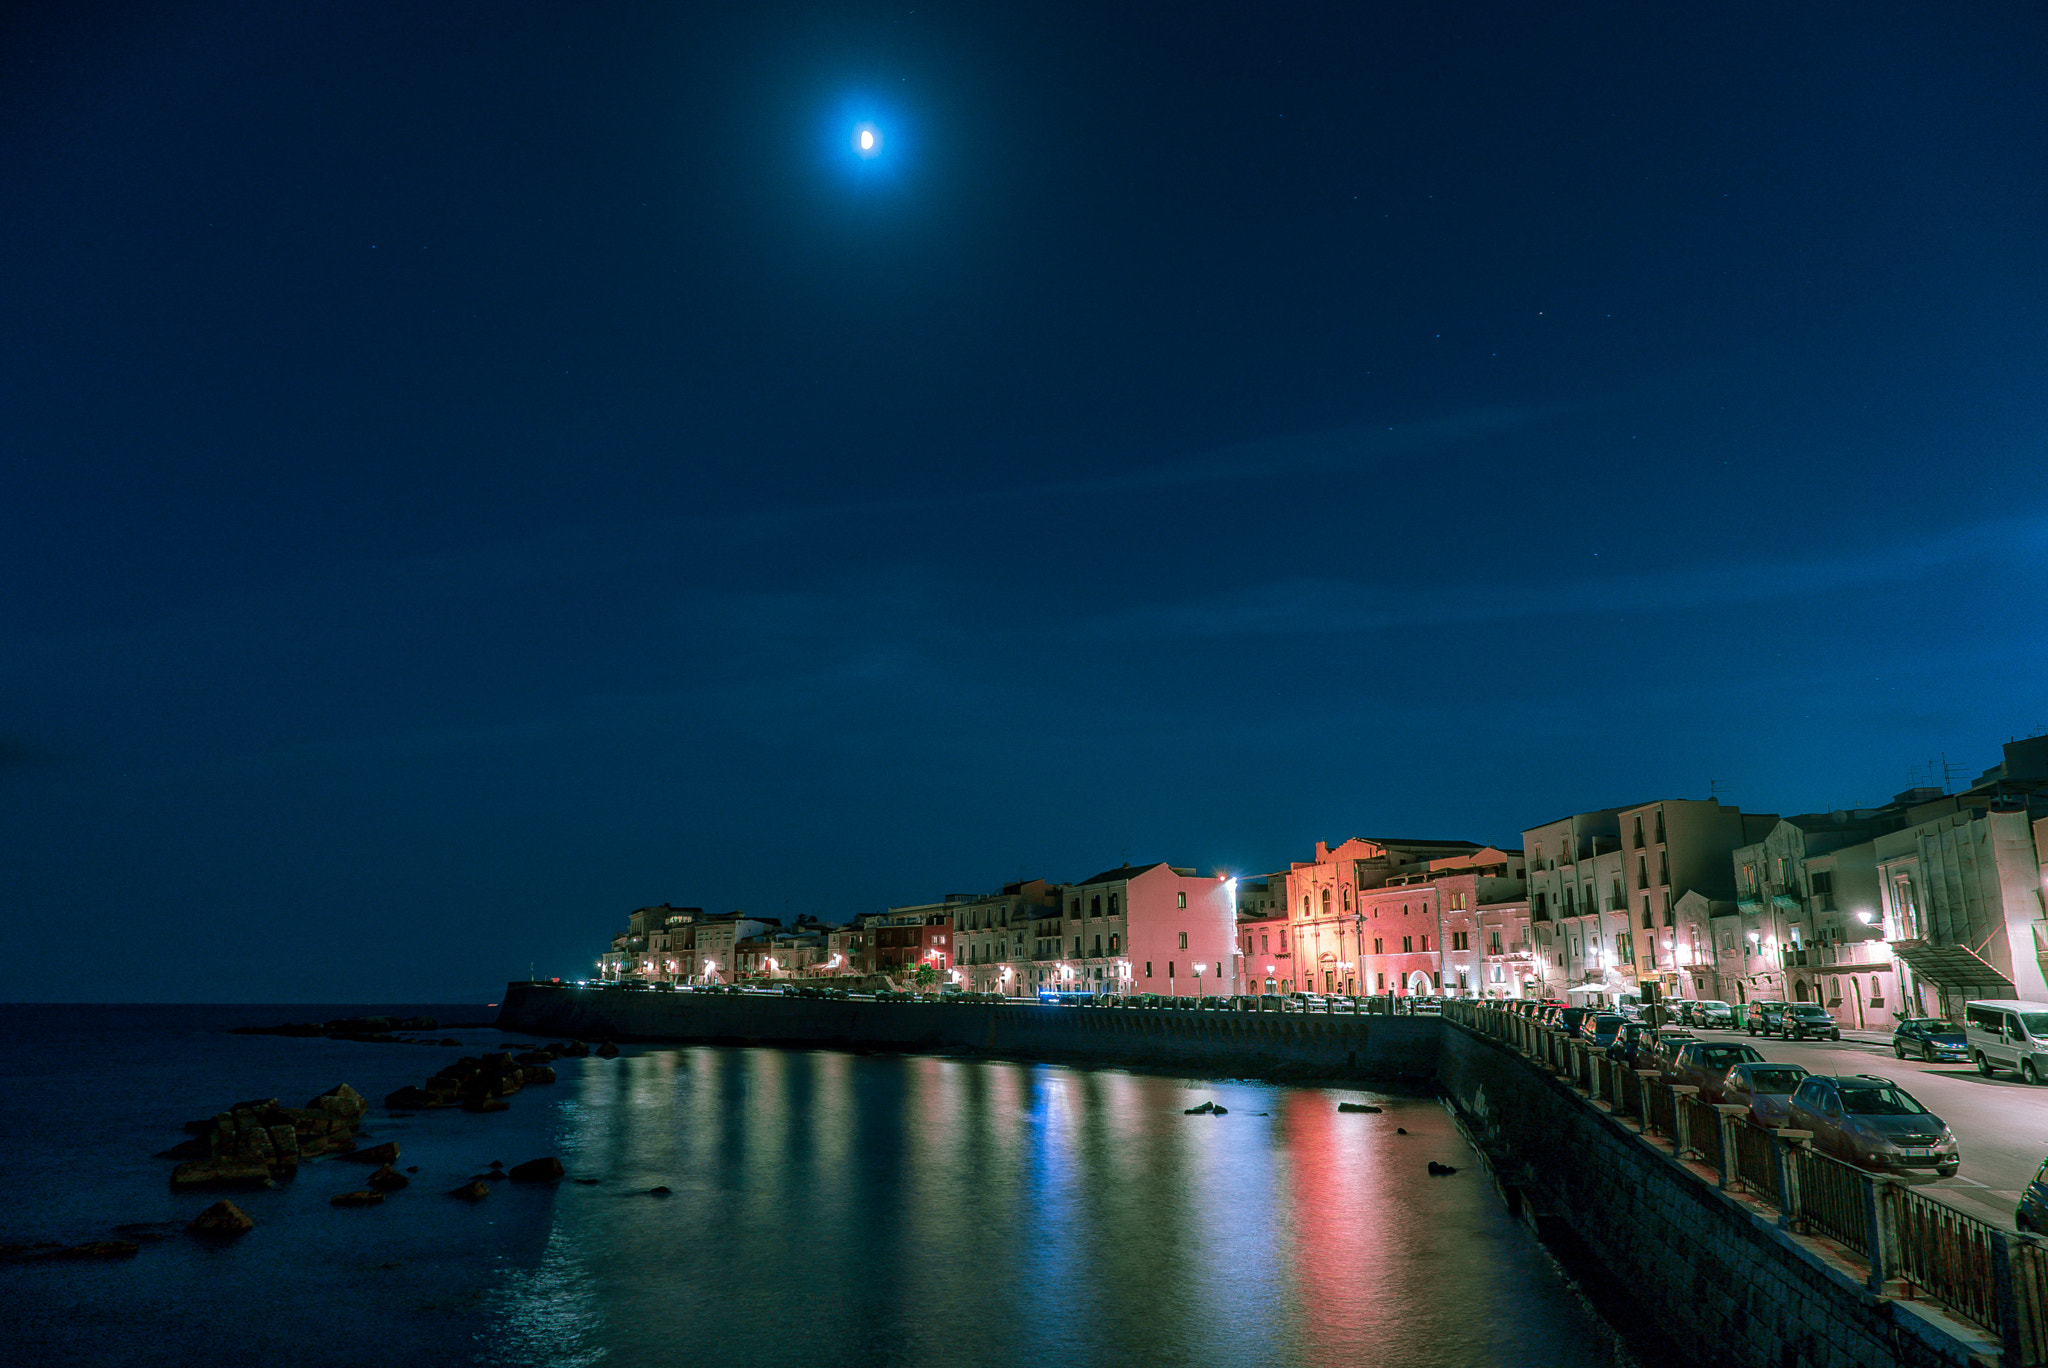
column 1324, row 604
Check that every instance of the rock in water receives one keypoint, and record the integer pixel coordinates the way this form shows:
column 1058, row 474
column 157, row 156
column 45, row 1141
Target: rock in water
column 1219, row 1111
column 607, row 1051
column 100, row 1249
column 340, row 1101
column 388, row 1179
column 356, row 1199
column 657, row 1191
column 1357, row 1107
column 486, row 1104
column 1400, row 1130
column 472, row 1191
column 1439, row 1170
column 1202, row 1110
column 545, row 1170
column 220, row 1173
column 386, row 1153
column 221, row 1220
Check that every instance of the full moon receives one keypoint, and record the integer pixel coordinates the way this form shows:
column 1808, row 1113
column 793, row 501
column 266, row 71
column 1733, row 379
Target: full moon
column 867, row 141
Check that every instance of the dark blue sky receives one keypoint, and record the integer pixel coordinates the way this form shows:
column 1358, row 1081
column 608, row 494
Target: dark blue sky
column 468, row 473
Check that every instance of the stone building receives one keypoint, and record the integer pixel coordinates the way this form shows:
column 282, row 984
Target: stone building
column 992, row 936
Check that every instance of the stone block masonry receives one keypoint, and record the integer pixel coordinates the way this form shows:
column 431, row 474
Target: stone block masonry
column 1236, row 1044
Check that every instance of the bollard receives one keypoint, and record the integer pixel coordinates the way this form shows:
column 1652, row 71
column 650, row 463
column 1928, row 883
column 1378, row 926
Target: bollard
column 1879, row 1204
column 1681, row 1123
column 1644, row 1079
column 1728, row 1122
column 1788, row 1143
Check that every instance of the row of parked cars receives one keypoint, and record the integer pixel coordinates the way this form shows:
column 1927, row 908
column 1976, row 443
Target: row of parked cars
column 1860, row 1118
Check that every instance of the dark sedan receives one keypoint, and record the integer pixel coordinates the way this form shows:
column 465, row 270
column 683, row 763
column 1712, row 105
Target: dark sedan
column 1705, row 1065
column 1873, row 1122
column 1766, row 1089
column 1931, row 1038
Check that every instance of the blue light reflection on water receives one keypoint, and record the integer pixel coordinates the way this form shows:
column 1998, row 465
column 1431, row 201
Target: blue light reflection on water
column 826, row 1209
column 829, row 1209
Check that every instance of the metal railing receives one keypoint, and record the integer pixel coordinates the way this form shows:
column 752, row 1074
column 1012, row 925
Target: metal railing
column 1948, row 1255
column 1985, row 1274
column 1832, row 1200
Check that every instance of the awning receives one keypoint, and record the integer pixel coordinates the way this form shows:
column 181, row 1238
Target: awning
column 1953, row 967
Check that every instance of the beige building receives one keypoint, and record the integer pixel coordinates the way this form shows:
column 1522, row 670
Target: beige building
column 1605, row 888
column 1805, row 926
column 993, row 933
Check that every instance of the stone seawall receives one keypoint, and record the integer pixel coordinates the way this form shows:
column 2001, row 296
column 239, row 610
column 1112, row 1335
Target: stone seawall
column 1716, row 1277
column 1238, row 1044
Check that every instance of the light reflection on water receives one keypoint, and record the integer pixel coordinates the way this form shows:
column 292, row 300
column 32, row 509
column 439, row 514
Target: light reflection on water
column 830, row 1209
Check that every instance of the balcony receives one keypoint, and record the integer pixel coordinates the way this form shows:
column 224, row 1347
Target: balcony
column 1617, row 902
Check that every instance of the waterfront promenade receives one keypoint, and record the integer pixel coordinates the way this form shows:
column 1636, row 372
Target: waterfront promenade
column 1278, row 1045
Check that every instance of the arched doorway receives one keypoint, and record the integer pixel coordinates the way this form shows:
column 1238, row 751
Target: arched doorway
column 1799, row 990
column 1328, row 965
column 1419, row 984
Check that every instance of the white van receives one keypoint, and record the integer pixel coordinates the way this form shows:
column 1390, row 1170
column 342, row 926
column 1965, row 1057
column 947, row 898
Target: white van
column 2008, row 1035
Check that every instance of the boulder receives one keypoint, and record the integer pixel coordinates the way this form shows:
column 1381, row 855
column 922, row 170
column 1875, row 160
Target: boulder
column 539, row 1074
column 607, row 1051
column 221, row 1220
column 1202, row 1110
column 364, row 1198
column 534, row 1057
column 574, row 1049
column 410, row 1099
column 388, row 1179
column 341, row 1101
column 1357, row 1107
column 661, row 1191
column 1437, row 1170
column 229, row 1171
column 472, row 1191
column 543, row 1170
column 385, row 1153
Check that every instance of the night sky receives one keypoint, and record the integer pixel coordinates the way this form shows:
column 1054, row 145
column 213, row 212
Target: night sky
column 469, row 470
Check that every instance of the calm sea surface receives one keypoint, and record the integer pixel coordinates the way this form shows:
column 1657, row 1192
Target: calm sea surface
column 825, row 1209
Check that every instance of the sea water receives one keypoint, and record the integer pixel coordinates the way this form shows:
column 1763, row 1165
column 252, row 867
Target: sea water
column 823, row 1208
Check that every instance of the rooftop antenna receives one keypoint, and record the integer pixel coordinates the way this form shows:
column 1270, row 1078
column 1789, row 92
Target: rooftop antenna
column 1713, row 788
column 1946, row 786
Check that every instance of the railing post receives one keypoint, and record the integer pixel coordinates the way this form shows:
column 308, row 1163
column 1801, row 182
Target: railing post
column 1731, row 1167
column 1788, row 1143
column 1878, row 1209
column 2007, row 1299
column 1681, row 1122
column 1643, row 1079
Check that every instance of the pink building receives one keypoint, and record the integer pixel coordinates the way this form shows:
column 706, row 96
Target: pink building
column 1264, row 963
column 1151, row 929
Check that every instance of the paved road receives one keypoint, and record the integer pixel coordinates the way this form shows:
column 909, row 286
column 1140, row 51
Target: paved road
column 2000, row 1123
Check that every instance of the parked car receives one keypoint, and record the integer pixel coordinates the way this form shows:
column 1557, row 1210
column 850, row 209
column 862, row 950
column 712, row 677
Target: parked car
column 1872, row 1122
column 1763, row 1016
column 1662, row 1046
column 1931, row 1038
column 1704, row 1064
column 1808, row 1020
column 2008, row 1035
column 2032, row 1213
column 1713, row 1014
column 1601, row 1028
column 1568, row 1020
column 1765, row 1088
column 1681, row 1012
column 1630, row 1043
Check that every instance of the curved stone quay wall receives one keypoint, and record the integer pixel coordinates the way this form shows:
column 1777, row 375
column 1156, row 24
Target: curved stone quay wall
column 1742, row 1246
column 1243, row 1044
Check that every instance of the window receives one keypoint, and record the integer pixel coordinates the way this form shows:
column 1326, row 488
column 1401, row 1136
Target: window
column 1169, row 968
column 1148, row 968
column 1283, row 940
column 1098, row 946
column 1407, row 945
column 1642, row 871
column 1647, row 923
column 1378, row 947
column 1326, row 902
column 1660, row 826
column 1347, row 897
column 1263, row 947
column 1112, row 904
column 1663, row 867
column 1183, row 940
column 1077, row 947
column 1095, row 906
column 1639, row 831
column 1493, row 943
